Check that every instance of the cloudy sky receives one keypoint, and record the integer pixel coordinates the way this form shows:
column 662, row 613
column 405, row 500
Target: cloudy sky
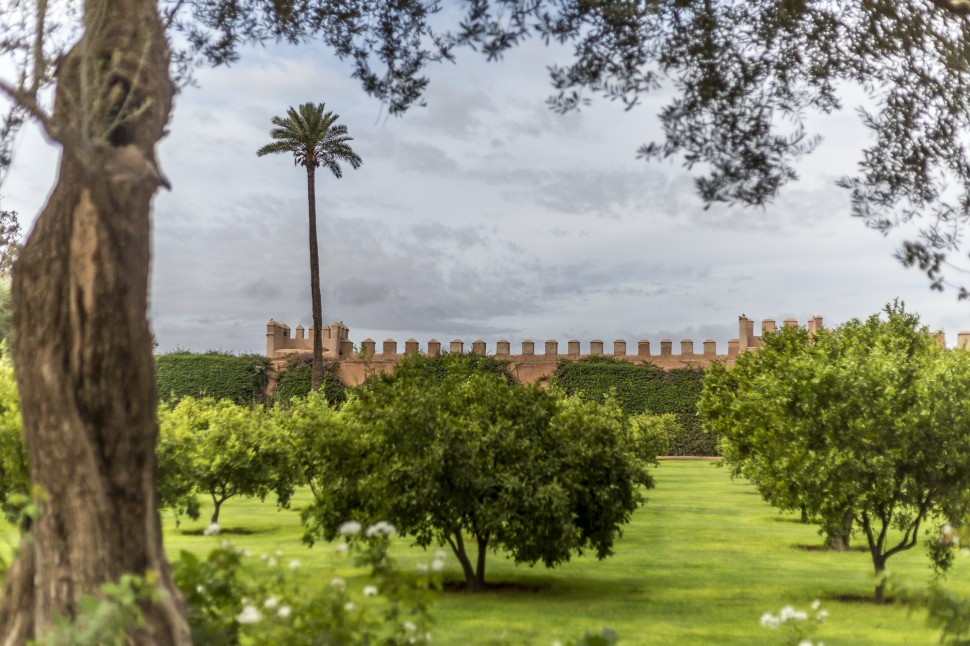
column 483, row 215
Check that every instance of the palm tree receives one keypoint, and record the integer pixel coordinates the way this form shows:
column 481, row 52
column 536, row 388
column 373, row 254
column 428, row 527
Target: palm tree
column 314, row 139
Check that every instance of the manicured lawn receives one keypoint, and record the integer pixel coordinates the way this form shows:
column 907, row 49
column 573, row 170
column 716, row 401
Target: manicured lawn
column 699, row 564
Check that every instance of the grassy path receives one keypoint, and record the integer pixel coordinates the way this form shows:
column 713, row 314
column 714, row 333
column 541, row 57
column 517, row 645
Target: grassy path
column 699, row 564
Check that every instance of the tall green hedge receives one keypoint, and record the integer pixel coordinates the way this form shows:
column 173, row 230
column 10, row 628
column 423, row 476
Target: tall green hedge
column 241, row 378
column 644, row 388
column 294, row 380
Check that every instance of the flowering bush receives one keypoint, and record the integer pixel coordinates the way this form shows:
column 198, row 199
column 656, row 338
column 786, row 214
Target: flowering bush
column 227, row 607
column 797, row 625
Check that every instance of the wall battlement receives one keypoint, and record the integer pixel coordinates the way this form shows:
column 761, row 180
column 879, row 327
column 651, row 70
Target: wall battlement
column 534, row 361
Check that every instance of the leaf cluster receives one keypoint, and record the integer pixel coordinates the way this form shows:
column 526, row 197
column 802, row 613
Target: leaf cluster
column 14, row 467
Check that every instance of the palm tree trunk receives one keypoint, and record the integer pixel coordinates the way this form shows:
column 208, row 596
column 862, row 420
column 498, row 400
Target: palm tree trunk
column 316, row 371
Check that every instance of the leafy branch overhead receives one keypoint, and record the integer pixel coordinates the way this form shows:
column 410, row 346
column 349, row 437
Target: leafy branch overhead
column 746, row 76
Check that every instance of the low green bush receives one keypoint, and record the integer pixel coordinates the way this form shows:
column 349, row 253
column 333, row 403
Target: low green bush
column 644, row 388
column 240, row 378
column 294, row 380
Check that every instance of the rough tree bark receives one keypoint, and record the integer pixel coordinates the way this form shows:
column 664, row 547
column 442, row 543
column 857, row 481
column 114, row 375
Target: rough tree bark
column 81, row 340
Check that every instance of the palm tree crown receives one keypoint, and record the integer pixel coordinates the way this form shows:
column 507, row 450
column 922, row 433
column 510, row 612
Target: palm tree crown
column 313, row 137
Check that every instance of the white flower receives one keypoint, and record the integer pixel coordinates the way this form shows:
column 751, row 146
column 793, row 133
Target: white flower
column 768, row 620
column 343, row 548
column 271, row 602
column 786, row 613
column 263, row 556
column 349, row 606
column 805, row 642
column 272, row 562
column 408, row 626
column 338, row 583
column 556, row 643
column 816, row 604
column 437, row 565
column 381, row 528
column 964, row 552
column 247, row 552
column 200, row 589
column 294, row 564
column 212, row 530
column 249, row 615
column 350, row 528
column 822, row 615
column 283, row 612
column 279, row 553
column 440, row 555
column 799, row 615
column 370, row 591
column 422, row 567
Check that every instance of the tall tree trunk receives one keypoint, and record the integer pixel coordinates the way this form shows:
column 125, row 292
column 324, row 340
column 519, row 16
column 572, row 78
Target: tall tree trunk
column 316, row 370
column 81, row 341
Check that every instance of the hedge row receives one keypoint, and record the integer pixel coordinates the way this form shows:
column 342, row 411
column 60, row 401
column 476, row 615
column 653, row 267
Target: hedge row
column 644, row 388
column 240, row 378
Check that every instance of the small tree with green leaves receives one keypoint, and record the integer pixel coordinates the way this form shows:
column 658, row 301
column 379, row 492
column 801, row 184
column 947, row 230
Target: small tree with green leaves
column 224, row 450
column 865, row 428
column 470, row 457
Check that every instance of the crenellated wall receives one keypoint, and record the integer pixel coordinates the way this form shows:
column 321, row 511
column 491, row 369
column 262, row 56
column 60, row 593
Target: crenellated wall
column 532, row 363
column 280, row 344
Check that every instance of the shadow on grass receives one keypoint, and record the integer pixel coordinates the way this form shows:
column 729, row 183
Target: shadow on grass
column 861, row 598
column 457, row 586
column 823, row 548
column 237, row 531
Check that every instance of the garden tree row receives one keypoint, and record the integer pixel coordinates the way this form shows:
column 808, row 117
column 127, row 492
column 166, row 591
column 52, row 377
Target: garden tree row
column 449, row 449
column 744, row 74
column 865, row 428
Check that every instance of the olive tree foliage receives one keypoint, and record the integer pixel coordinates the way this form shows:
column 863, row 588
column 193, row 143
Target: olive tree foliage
column 221, row 449
column 866, row 428
column 475, row 462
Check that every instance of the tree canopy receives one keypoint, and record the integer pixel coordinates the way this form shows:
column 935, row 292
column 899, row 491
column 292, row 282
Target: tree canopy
column 745, row 79
column 472, row 457
column 865, row 428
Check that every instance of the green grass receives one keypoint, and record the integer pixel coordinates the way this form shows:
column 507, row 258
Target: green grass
column 699, row 564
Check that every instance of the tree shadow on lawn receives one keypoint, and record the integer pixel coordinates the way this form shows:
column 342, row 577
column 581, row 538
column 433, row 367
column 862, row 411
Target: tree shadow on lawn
column 551, row 586
column 238, row 531
column 869, row 599
column 823, row 548
column 458, row 586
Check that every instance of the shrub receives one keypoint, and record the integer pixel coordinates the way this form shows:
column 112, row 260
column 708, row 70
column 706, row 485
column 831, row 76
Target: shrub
column 644, row 388
column 241, row 378
column 295, row 378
